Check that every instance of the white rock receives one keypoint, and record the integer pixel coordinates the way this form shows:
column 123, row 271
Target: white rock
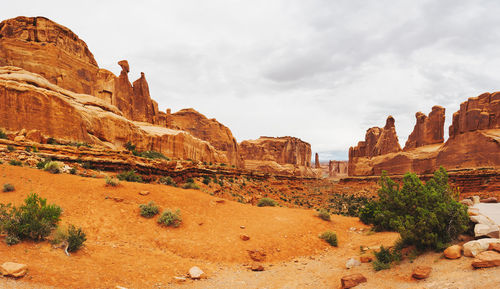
column 475, row 199
column 195, row 273
column 352, row 263
column 486, row 230
column 472, row 248
column 482, row 219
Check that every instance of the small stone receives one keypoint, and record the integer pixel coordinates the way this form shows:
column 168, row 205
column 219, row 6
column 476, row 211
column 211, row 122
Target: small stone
column 494, row 247
column 244, row 237
column 220, row 201
column 453, row 252
column 352, row 280
column 19, row 138
column 473, row 211
column 180, row 279
column 486, row 259
column 118, row 200
column 421, row 272
column 257, row 267
column 242, row 227
column 256, row 255
column 489, row 200
column 352, row 263
column 144, row 193
column 13, row 269
column 195, row 272
column 366, row 259
column 467, row 202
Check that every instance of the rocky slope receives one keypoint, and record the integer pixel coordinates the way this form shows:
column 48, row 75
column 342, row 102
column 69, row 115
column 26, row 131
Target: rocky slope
column 288, row 155
column 474, row 142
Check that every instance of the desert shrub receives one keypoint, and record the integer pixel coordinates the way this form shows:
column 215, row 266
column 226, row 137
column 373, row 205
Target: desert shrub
column 329, row 237
column 129, row 176
column 11, row 240
column 87, row 166
column 149, row 210
column 324, row 215
column 129, row 146
column 8, row 188
column 52, row 167
column 347, row 204
column 10, row 148
column 167, row 181
column 266, row 202
column 425, row 215
column 80, row 144
column 15, row 163
column 190, row 180
column 52, row 141
column 206, row 180
column 76, row 238
column 150, row 155
column 28, row 149
column 33, row 220
column 385, row 257
column 3, row 135
column 169, row 218
column 72, row 171
column 41, row 164
column 112, row 182
column 191, row 185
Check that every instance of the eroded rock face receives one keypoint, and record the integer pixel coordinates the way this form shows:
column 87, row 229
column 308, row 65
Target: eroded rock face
column 477, row 113
column 40, row 105
column 337, row 168
column 209, row 130
column 427, row 130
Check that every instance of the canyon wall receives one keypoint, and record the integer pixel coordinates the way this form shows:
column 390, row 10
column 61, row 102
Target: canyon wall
column 474, row 142
column 288, row 155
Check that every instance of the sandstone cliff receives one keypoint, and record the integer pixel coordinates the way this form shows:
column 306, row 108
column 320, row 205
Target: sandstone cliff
column 287, row 155
column 29, row 101
column 474, row 142
column 337, row 168
column 54, row 52
column 427, row 130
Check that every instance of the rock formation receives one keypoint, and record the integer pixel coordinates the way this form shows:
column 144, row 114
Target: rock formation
column 337, row 168
column 287, row 154
column 316, row 161
column 58, row 57
column 206, row 129
column 427, row 130
column 474, row 142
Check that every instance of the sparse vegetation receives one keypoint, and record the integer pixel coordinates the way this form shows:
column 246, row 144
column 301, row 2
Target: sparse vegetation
column 324, row 215
column 144, row 154
column 266, row 202
column 168, row 181
column 112, row 182
column 206, row 180
column 3, row 135
column 191, row 185
column 72, row 171
column 129, row 176
column 149, row 210
column 329, row 237
column 426, row 215
column 52, row 167
column 8, row 188
column 33, row 220
column 74, row 237
column 87, row 166
column 385, row 257
column 169, row 218
column 10, row 148
column 15, row 163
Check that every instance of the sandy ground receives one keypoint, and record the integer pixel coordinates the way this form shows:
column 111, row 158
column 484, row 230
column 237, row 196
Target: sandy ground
column 127, row 250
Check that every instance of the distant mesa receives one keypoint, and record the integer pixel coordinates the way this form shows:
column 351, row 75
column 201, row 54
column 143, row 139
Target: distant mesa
column 474, row 141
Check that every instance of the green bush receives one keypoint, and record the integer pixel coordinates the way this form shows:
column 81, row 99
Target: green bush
column 52, row 141
column 15, row 163
column 191, row 185
column 167, row 181
column 385, row 257
column 10, row 148
column 190, row 180
column 206, row 180
column 72, row 171
column 52, row 167
column 41, row 164
column 329, row 237
column 129, row 146
column 425, row 215
column 3, row 135
column 129, row 176
column 149, row 210
column 34, row 220
column 8, row 188
column 150, row 155
column 112, row 182
column 266, row 202
column 324, row 215
column 76, row 238
column 169, row 218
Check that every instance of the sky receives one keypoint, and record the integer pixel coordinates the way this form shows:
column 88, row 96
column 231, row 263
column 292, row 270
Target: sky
column 321, row 70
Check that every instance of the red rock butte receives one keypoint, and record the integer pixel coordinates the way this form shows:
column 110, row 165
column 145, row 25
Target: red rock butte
column 51, row 83
column 474, row 142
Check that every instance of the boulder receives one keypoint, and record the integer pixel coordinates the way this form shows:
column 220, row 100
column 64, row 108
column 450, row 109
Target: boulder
column 244, row 237
column 472, row 248
column 482, row 219
column 475, row 199
column 257, row 267
column 421, row 272
column 352, row 280
column 453, row 252
column 486, row 259
column 195, row 272
column 19, row 138
column 352, row 263
column 473, row 211
column 467, row 202
column 491, row 231
column 489, row 200
column 13, row 269
column 494, row 247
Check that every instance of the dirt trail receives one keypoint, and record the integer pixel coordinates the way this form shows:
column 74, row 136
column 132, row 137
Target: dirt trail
column 127, row 250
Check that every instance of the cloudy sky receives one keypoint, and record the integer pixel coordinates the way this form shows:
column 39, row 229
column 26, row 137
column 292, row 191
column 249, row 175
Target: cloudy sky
column 321, row 70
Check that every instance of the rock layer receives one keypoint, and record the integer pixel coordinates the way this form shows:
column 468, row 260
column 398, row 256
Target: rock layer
column 428, row 130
